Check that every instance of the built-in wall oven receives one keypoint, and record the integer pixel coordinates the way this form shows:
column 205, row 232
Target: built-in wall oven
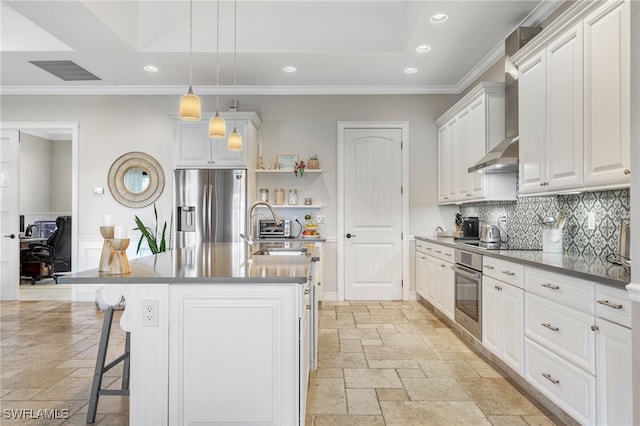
column 468, row 283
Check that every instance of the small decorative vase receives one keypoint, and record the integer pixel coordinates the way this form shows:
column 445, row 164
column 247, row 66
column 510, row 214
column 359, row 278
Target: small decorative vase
column 106, row 257
column 313, row 164
column 120, row 262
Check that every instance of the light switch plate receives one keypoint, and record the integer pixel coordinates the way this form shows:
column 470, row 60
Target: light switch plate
column 98, row 190
column 591, row 221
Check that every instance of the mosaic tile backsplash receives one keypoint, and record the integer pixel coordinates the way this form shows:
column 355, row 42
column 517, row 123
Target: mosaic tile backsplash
column 610, row 207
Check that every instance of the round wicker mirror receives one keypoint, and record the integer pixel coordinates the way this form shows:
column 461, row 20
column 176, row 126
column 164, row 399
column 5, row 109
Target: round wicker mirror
column 136, row 180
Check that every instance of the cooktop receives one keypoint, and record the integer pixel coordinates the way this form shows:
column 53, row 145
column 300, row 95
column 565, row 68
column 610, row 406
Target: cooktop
column 522, row 245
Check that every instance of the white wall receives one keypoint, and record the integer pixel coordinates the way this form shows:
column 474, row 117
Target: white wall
column 60, row 177
column 35, row 172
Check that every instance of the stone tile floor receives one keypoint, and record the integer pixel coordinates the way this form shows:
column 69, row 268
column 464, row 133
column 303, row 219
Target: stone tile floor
column 380, row 363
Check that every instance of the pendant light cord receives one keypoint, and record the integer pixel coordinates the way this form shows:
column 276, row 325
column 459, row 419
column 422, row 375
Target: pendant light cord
column 218, row 56
column 235, row 60
column 190, row 43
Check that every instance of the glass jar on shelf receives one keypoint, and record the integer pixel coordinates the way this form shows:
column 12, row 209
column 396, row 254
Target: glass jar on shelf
column 293, row 197
column 264, row 194
column 278, row 195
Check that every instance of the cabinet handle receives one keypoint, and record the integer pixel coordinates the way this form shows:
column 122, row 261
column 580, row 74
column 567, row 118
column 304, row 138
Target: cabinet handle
column 627, row 171
column 310, row 278
column 446, row 198
column 488, row 266
column 594, row 328
column 550, row 327
column 609, row 304
column 497, row 287
column 551, row 287
column 509, row 273
column 429, row 248
column 448, row 254
column 423, row 258
column 442, row 265
column 309, row 307
column 468, row 195
column 319, row 283
column 307, row 290
column 551, row 379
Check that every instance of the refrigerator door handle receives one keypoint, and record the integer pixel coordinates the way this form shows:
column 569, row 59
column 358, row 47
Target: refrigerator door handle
column 210, row 214
column 203, row 216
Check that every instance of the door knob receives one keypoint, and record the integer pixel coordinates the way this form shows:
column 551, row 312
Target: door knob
column 350, row 235
column 12, row 236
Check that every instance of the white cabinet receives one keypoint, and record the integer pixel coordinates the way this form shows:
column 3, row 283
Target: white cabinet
column 574, row 102
column 434, row 276
column 237, row 346
column 613, row 374
column 193, row 148
column 502, row 321
column 551, row 126
column 607, row 88
column 466, row 132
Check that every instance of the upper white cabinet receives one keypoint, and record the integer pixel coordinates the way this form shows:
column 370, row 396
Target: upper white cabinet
column 550, row 102
column 193, row 148
column 606, row 91
column 466, row 132
column 574, row 102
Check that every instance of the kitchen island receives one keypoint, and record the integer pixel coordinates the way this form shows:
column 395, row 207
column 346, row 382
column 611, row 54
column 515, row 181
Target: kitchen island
column 219, row 334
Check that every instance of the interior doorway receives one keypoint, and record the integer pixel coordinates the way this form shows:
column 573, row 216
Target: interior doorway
column 373, row 257
column 44, row 291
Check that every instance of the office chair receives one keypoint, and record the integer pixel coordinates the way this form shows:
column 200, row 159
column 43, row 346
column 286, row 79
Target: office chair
column 56, row 254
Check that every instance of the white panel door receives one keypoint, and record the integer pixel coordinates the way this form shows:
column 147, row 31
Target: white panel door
column 607, row 88
column 477, row 146
column 373, row 214
column 9, row 215
column 565, row 143
column 443, row 164
column 532, row 105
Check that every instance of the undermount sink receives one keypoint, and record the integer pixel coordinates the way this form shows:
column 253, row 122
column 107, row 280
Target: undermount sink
column 280, row 251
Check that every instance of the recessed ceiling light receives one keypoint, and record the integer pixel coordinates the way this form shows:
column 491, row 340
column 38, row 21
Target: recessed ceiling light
column 410, row 70
column 423, row 48
column 289, row 69
column 151, row 68
column 438, row 18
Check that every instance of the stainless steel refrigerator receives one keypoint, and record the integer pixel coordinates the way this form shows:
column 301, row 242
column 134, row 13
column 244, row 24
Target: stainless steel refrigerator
column 211, row 205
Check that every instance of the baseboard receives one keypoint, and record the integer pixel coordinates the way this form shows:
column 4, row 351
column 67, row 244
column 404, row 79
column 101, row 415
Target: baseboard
column 330, row 296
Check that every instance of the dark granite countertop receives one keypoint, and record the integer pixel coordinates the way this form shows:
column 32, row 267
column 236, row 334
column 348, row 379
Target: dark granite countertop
column 587, row 267
column 210, row 263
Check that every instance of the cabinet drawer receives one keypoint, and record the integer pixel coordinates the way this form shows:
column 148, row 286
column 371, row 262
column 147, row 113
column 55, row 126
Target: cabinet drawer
column 563, row 330
column 613, row 304
column 509, row 272
column 442, row 252
column 423, row 247
column 566, row 290
column 571, row 388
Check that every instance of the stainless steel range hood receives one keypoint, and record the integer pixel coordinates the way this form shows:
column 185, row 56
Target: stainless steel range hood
column 503, row 158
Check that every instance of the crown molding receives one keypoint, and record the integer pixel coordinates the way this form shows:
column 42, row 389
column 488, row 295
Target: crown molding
column 228, row 90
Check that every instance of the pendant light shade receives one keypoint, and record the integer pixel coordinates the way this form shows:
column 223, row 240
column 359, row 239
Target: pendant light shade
column 217, row 127
column 190, row 103
column 190, row 106
column 235, row 141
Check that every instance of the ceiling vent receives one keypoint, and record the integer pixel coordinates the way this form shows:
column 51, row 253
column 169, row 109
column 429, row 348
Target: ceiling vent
column 65, row 70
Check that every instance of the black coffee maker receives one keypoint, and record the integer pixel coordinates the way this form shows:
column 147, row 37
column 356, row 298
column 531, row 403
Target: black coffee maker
column 470, row 228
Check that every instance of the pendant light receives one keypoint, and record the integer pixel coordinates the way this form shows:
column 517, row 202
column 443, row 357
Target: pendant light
column 235, row 139
column 217, row 126
column 190, row 103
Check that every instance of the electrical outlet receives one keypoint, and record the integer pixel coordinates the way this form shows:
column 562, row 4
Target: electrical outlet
column 149, row 313
column 503, row 221
column 591, row 221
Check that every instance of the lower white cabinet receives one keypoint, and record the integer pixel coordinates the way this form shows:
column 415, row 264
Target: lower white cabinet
column 434, row 276
column 502, row 322
column 613, row 374
column 238, row 347
column 568, row 386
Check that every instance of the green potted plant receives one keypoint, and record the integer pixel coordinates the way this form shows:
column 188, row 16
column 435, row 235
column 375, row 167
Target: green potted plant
column 157, row 244
column 313, row 162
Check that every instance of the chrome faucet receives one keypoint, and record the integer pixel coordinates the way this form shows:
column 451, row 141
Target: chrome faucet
column 249, row 239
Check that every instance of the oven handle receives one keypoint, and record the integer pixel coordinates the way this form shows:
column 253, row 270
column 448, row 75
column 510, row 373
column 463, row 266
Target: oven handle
column 465, row 271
